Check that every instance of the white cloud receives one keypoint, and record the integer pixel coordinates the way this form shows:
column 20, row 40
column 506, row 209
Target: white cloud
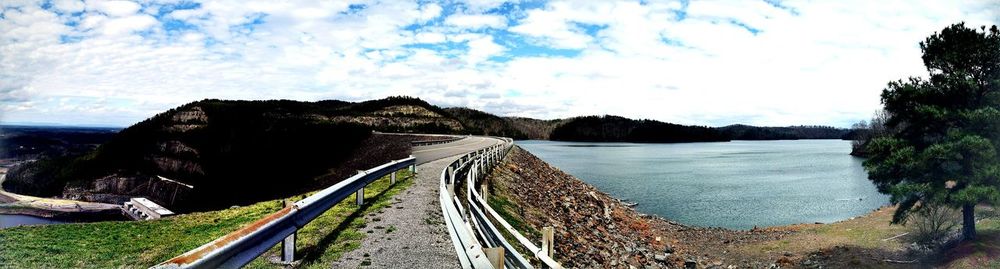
column 125, row 25
column 69, row 6
column 481, row 49
column 430, row 37
column 476, row 21
column 809, row 62
column 117, row 8
column 430, row 11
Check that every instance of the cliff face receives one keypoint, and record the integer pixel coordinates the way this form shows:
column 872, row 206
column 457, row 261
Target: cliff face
column 214, row 154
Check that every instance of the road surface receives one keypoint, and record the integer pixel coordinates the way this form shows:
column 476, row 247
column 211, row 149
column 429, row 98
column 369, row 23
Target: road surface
column 422, row 239
column 429, row 153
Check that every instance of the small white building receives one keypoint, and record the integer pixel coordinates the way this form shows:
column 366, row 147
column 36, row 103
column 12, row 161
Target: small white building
column 144, row 209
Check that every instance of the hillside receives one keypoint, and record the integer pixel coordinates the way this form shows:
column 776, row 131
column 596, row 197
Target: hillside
column 534, row 128
column 478, row 122
column 213, row 154
column 619, row 129
column 746, row 132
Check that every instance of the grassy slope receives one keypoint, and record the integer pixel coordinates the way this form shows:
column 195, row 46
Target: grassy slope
column 141, row 244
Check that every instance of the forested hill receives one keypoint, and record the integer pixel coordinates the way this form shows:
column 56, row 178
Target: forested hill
column 746, row 132
column 235, row 152
column 478, row 122
column 619, row 129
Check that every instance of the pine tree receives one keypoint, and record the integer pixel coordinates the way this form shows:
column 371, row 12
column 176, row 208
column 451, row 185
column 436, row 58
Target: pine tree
column 946, row 150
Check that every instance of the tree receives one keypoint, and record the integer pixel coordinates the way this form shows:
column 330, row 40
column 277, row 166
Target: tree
column 865, row 132
column 947, row 139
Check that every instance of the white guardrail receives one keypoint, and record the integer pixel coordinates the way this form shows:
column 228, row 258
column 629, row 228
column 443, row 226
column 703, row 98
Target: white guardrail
column 470, row 219
column 242, row 246
column 447, row 139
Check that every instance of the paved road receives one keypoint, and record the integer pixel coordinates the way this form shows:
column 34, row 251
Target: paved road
column 421, row 239
column 426, row 154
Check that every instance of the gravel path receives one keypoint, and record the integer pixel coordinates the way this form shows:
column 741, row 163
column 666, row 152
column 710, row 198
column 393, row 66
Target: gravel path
column 419, row 239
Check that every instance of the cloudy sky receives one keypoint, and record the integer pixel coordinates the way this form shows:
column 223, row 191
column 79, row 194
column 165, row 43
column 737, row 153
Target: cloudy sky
column 691, row 62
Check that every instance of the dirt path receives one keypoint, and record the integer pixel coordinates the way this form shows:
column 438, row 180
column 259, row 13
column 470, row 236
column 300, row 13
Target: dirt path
column 410, row 233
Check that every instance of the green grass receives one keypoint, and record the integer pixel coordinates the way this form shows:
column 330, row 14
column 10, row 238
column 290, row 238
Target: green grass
column 867, row 232
column 870, row 231
column 140, row 244
column 508, row 210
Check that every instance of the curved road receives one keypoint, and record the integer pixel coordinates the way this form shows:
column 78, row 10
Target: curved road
column 430, row 153
column 422, row 239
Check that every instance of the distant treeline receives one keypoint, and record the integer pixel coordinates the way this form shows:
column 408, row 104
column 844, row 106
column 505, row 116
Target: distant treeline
column 619, row 129
column 28, row 142
column 746, row 132
column 614, row 128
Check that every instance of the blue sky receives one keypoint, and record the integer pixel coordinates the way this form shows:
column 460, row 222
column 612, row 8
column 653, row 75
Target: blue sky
column 699, row 62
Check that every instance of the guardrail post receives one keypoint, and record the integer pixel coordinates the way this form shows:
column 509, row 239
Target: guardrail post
column 484, row 190
column 360, row 196
column 451, row 174
column 392, row 177
column 288, row 249
column 495, row 255
column 548, row 241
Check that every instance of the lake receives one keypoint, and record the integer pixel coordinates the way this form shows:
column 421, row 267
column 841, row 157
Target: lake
column 737, row 185
column 9, row 220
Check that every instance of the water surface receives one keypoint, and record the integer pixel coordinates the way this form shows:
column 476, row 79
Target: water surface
column 10, row 220
column 739, row 184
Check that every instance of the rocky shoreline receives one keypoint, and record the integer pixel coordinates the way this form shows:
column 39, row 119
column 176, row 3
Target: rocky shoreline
column 595, row 230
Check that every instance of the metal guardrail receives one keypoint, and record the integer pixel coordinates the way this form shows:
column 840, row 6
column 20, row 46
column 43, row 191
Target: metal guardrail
column 470, row 222
column 244, row 245
column 436, row 141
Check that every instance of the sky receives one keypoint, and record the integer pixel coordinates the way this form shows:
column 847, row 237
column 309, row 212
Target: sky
column 715, row 63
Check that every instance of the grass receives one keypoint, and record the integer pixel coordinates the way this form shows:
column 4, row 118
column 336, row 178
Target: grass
column 867, row 231
column 872, row 230
column 509, row 211
column 140, row 244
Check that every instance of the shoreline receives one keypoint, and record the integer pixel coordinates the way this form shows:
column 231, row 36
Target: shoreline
column 57, row 209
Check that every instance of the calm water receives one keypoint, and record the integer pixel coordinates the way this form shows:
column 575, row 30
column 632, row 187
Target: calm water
column 739, row 184
column 18, row 220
